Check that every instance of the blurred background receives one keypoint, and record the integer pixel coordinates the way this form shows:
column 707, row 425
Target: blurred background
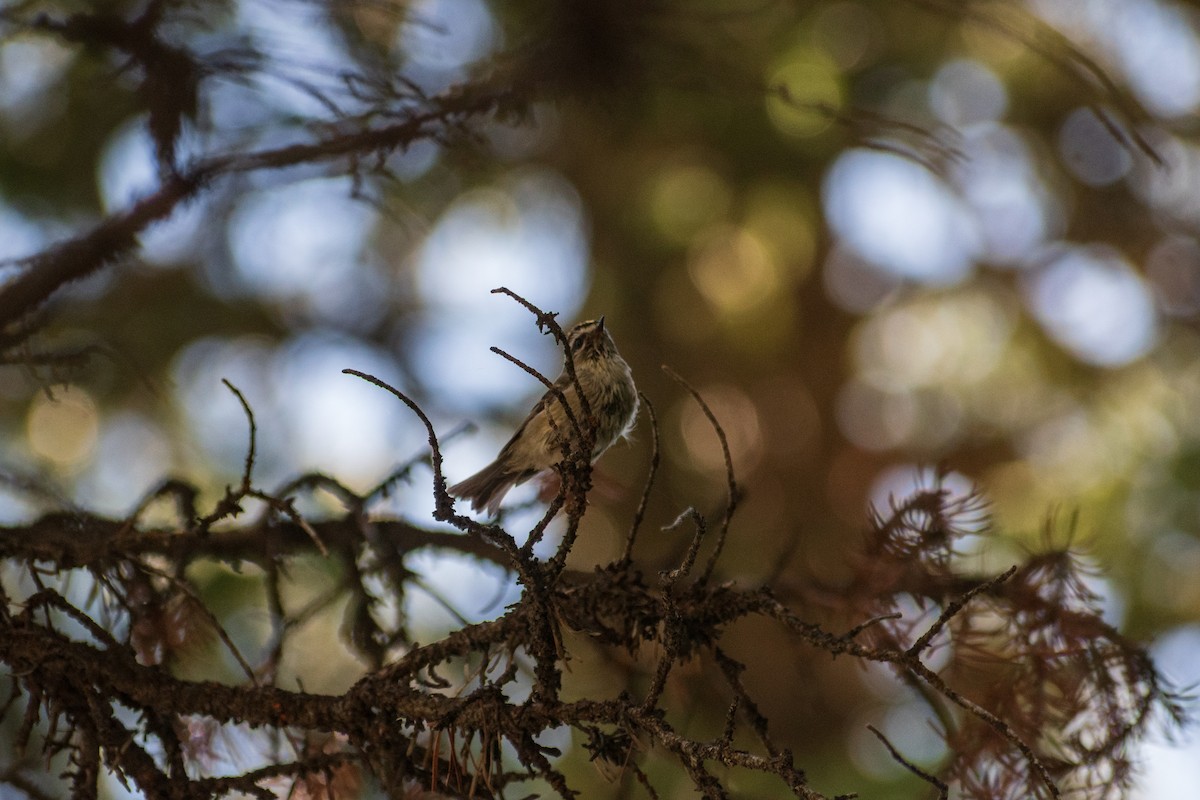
column 877, row 236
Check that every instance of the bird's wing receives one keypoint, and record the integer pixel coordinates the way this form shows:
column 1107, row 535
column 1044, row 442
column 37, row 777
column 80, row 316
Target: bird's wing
column 564, row 385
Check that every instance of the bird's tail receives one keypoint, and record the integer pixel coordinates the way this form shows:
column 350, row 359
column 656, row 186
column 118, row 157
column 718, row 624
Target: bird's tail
column 487, row 487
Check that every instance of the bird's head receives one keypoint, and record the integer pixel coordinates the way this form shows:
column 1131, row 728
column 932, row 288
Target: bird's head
column 589, row 340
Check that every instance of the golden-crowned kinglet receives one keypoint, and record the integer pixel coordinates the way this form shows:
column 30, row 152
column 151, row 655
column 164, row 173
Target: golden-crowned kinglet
column 612, row 398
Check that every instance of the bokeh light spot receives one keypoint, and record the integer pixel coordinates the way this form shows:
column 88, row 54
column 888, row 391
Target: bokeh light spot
column 300, row 35
column 782, row 218
column 526, row 232
column 733, row 270
column 685, row 199
column 1154, row 44
column 1090, row 151
column 898, row 216
column 1173, row 267
column 909, row 722
column 306, row 248
column 132, row 454
column 951, row 340
column 29, row 68
column 848, row 32
column 128, row 171
column 19, row 236
column 965, row 92
column 1170, row 766
column 1013, row 209
column 875, row 419
column 805, row 91
column 902, row 480
column 414, row 160
column 214, row 419
column 62, row 427
column 339, row 423
column 739, row 418
column 1093, row 303
column 446, row 35
column 855, row 285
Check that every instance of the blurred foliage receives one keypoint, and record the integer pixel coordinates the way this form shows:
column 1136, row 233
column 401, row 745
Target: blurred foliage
column 877, row 235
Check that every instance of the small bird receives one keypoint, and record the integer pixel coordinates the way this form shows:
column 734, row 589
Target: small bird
column 612, row 397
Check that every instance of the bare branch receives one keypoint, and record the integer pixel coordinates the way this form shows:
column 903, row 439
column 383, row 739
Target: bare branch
column 639, row 515
column 734, row 493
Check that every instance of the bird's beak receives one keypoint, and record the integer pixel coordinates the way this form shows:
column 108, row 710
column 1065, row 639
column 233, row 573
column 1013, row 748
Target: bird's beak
column 600, row 325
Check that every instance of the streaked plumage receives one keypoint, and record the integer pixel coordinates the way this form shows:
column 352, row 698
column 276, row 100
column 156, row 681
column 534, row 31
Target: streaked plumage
column 607, row 384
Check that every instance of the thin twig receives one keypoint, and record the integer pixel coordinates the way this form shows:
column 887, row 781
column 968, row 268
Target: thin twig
column 689, row 559
column 551, row 388
column 639, row 515
column 402, row 472
column 732, row 669
column 870, row 623
column 731, row 484
column 954, row 607
column 209, row 617
column 997, row 724
column 250, row 451
column 444, row 503
column 539, row 530
column 549, row 320
column 932, row 780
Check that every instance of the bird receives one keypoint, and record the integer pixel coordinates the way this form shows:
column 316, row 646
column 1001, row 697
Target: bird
column 607, row 383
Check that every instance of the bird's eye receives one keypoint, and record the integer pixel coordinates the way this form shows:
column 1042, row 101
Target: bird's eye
column 577, row 345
